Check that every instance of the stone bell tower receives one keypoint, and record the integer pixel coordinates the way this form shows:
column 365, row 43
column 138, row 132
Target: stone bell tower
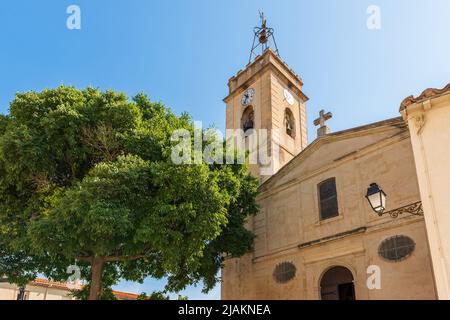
column 268, row 95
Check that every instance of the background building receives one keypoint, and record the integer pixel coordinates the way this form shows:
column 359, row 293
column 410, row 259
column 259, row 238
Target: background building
column 43, row 289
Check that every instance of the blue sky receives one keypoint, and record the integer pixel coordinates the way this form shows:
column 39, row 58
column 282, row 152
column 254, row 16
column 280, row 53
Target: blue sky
column 184, row 52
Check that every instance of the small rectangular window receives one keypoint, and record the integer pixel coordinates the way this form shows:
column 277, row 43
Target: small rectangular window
column 328, row 199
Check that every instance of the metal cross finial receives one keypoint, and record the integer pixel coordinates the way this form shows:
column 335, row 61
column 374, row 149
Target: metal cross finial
column 323, row 129
column 263, row 20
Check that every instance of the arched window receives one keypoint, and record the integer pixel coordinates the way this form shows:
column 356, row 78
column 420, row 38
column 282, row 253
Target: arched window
column 289, row 123
column 328, row 204
column 248, row 119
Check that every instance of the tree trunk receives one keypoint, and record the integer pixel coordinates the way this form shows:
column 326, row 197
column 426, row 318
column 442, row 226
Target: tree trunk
column 21, row 294
column 96, row 278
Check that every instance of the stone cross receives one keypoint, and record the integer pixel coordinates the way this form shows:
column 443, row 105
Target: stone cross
column 323, row 129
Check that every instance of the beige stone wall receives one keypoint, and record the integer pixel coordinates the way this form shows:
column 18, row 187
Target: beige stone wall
column 429, row 122
column 289, row 147
column 289, row 217
column 10, row 292
column 269, row 76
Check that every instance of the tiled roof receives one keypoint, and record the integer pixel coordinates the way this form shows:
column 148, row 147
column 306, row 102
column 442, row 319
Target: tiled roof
column 39, row 282
column 125, row 296
column 50, row 284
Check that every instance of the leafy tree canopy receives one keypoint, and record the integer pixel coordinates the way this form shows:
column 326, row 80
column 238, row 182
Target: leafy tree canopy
column 86, row 178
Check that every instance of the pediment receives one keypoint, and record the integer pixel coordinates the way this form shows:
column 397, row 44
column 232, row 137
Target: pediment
column 329, row 150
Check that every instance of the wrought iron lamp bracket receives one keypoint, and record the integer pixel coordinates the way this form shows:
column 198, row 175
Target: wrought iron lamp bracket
column 415, row 209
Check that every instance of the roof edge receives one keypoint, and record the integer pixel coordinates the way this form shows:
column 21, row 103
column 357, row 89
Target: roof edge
column 322, row 139
column 427, row 94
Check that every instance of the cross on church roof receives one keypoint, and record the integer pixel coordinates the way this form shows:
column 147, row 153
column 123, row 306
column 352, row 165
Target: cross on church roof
column 322, row 118
column 323, row 129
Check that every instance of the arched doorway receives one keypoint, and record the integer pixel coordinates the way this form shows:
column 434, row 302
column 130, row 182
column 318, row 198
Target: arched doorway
column 337, row 284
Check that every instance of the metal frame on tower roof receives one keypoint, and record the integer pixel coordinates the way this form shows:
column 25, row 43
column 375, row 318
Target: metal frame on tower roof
column 263, row 34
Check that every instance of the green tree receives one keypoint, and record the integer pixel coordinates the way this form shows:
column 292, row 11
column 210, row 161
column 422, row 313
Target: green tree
column 86, row 178
column 156, row 295
column 159, row 295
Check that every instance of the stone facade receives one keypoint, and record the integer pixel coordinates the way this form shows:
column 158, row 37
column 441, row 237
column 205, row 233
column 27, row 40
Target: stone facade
column 288, row 227
column 428, row 117
column 44, row 289
column 269, row 76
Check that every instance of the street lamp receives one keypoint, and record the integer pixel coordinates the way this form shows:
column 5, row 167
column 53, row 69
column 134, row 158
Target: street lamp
column 376, row 198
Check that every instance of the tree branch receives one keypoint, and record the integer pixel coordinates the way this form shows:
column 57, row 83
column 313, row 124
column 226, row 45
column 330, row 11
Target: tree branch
column 124, row 257
column 85, row 259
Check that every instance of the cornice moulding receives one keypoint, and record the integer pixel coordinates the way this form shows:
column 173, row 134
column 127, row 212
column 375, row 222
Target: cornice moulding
column 428, row 94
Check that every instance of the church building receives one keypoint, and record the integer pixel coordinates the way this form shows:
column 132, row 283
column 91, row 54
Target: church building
column 355, row 214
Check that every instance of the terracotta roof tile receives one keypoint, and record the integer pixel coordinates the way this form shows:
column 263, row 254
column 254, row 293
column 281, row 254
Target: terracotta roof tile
column 427, row 94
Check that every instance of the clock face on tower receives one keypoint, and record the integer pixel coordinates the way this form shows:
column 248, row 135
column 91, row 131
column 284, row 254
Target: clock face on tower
column 247, row 97
column 288, row 96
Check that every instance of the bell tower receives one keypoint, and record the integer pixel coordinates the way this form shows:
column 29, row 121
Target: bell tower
column 268, row 95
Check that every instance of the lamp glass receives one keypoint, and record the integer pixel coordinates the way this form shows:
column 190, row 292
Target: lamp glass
column 376, row 198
